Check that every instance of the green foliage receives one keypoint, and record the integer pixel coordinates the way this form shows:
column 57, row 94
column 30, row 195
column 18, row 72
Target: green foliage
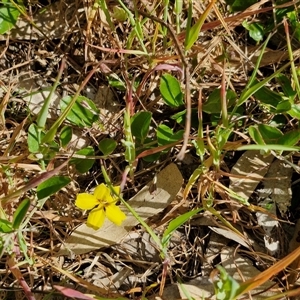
column 293, row 16
column 119, row 14
column 140, row 124
column 171, row 91
column 9, row 15
column 33, row 140
column 51, row 186
column 226, row 288
column 65, row 135
column 20, row 213
column 6, row 226
column 263, row 134
column 130, row 152
column 213, row 103
column 217, row 142
column 82, row 165
column 286, row 86
column 237, row 5
column 175, row 224
column 83, row 113
column 256, row 30
column 165, row 135
column 107, row 146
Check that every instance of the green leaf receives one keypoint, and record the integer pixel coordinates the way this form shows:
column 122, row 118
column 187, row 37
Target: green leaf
column 238, row 5
column 149, row 143
column 265, row 134
column 285, row 84
column 180, row 117
column 8, row 16
column 267, row 96
column 170, row 90
column 23, row 247
column 83, row 113
column 269, row 147
column 283, row 106
column 5, row 226
column 140, row 124
column 51, row 186
column 176, row 223
column 295, row 111
column 66, row 135
column 166, row 136
column 269, row 133
column 20, row 213
column 107, row 146
column 226, row 288
column 294, row 20
column 256, row 30
column 249, row 91
column 255, row 135
column 290, row 138
column 193, row 34
column 213, row 103
column 119, row 14
column 84, row 164
column 33, row 140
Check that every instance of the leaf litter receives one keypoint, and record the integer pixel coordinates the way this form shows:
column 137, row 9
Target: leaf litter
column 105, row 260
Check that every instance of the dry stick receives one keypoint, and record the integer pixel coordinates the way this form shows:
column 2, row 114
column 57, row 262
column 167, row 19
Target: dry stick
column 187, row 130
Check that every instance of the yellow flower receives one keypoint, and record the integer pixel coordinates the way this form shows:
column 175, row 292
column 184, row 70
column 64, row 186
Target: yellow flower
column 105, row 206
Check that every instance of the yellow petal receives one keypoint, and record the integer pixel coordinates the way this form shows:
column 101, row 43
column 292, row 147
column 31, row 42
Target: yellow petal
column 96, row 218
column 117, row 189
column 113, row 198
column 102, row 192
column 86, row 201
column 114, row 214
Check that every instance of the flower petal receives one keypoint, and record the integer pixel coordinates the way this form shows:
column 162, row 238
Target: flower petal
column 86, row 201
column 102, row 192
column 96, row 218
column 113, row 199
column 114, row 214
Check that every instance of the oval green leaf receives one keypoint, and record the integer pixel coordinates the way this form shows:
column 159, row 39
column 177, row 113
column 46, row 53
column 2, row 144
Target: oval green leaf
column 84, row 164
column 83, row 113
column 170, row 90
column 140, row 124
column 290, row 138
column 33, row 139
column 20, row 213
column 269, row 133
column 107, row 146
column 51, row 186
column 166, row 136
column 66, row 135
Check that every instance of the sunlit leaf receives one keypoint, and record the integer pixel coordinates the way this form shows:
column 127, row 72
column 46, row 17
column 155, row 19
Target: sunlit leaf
column 165, row 135
column 83, row 112
column 171, row 91
column 175, row 224
column 20, row 213
column 51, row 186
column 8, row 16
column 107, row 146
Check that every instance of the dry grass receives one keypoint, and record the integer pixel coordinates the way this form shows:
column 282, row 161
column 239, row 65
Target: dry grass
column 85, row 37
